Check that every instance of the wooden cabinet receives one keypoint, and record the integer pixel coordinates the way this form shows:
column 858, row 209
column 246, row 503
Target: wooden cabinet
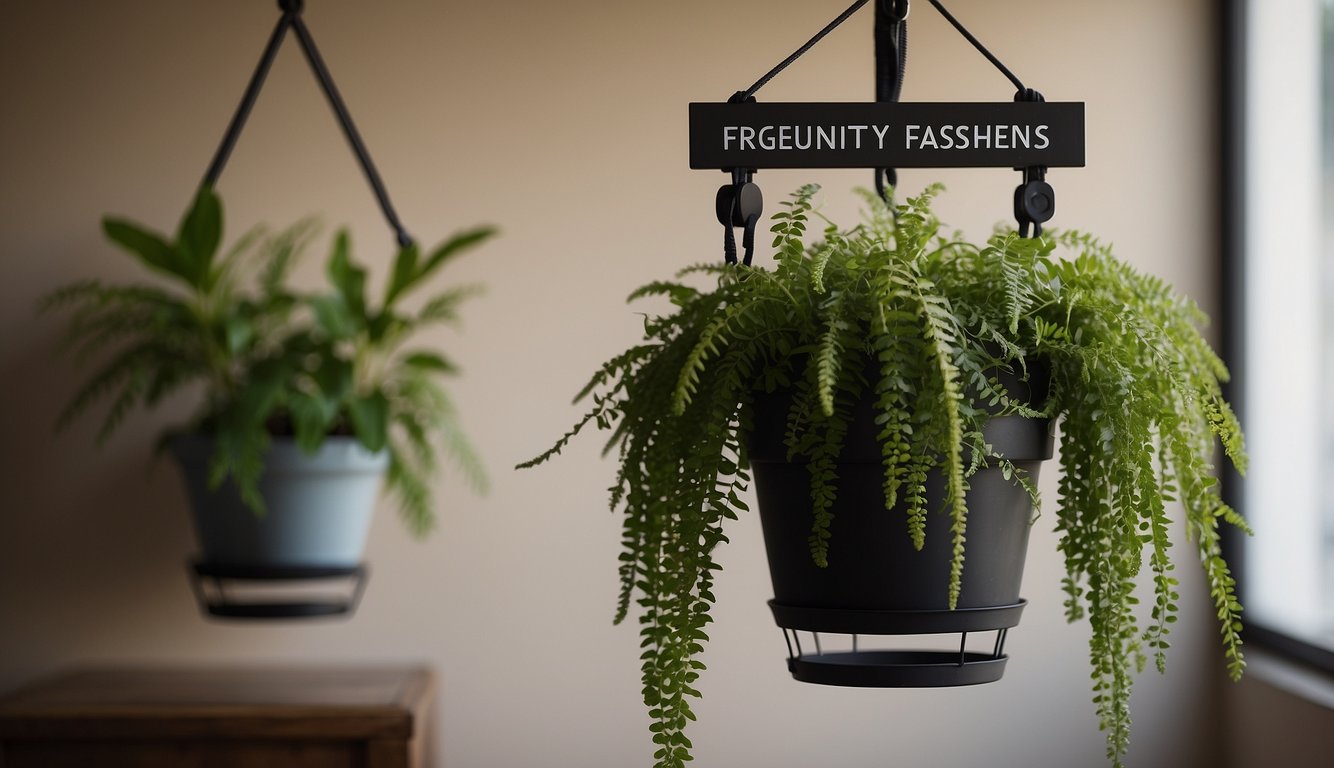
column 219, row 717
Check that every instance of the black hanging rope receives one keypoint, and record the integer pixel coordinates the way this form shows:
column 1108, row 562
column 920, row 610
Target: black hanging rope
column 291, row 18
column 891, row 59
column 891, row 48
column 247, row 103
column 982, row 49
column 898, row 8
column 747, row 94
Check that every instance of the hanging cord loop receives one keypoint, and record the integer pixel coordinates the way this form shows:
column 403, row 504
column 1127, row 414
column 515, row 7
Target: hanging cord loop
column 891, row 59
column 291, row 18
column 982, row 49
column 797, row 54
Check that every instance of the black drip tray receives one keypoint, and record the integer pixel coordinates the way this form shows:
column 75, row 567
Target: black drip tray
column 898, row 669
column 215, row 587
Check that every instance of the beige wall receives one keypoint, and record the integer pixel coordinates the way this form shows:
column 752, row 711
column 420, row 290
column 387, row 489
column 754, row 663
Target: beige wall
column 563, row 122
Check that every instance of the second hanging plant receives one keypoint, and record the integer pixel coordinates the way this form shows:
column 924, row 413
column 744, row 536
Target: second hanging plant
column 931, row 327
column 299, row 392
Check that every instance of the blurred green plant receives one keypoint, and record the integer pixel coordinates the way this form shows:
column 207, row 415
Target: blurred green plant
column 273, row 361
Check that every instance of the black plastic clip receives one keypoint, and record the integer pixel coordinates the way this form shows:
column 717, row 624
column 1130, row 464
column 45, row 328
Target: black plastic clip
column 739, row 204
column 1034, row 199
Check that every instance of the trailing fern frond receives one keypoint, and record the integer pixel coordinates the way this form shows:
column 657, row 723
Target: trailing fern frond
column 928, row 326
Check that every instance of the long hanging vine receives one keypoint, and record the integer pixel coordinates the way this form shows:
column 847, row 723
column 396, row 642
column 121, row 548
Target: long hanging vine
column 1136, row 387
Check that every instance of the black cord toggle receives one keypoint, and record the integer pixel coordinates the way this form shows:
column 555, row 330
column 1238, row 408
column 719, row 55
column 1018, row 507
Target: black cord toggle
column 739, row 205
column 1034, row 199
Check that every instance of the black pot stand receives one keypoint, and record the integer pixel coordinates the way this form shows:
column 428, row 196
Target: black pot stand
column 227, row 591
column 884, row 668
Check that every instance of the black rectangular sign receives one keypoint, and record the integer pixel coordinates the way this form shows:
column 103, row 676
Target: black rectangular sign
column 886, row 135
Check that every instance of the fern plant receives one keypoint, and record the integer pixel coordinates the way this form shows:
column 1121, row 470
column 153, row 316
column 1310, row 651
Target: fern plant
column 272, row 361
column 1135, row 386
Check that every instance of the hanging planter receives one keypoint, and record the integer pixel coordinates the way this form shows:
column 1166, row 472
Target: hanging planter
column 917, row 475
column 312, row 401
column 894, row 389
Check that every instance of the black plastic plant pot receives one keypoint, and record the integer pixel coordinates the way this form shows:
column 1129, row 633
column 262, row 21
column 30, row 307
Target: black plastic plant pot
column 876, row 583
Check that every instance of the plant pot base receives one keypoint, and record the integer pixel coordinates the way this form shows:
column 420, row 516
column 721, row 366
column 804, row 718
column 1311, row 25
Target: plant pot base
column 210, row 583
column 895, row 668
column 898, row 669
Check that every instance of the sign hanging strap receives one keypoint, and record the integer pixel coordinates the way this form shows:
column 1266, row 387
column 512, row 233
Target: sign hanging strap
column 891, row 60
column 742, row 136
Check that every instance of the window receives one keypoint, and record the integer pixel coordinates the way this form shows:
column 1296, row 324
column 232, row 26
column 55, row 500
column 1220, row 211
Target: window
column 1279, row 234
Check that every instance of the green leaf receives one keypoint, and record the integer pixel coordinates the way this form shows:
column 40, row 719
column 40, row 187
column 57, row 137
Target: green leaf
column 154, row 252
column 260, row 393
column 311, row 417
column 370, row 420
column 443, row 307
column 430, row 361
column 334, row 377
column 452, row 247
column 384, row 324
column 333, row 316
column 199, row 235
column 347, row 278
column 405, row 272
column 239, row 333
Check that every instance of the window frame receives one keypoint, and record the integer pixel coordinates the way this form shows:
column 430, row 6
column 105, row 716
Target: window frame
column 1233, row 60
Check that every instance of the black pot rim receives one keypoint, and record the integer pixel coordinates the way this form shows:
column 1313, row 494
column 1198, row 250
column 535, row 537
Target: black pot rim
column 860, row 622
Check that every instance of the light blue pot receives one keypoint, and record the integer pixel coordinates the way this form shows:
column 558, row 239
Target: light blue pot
column 319, row 506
